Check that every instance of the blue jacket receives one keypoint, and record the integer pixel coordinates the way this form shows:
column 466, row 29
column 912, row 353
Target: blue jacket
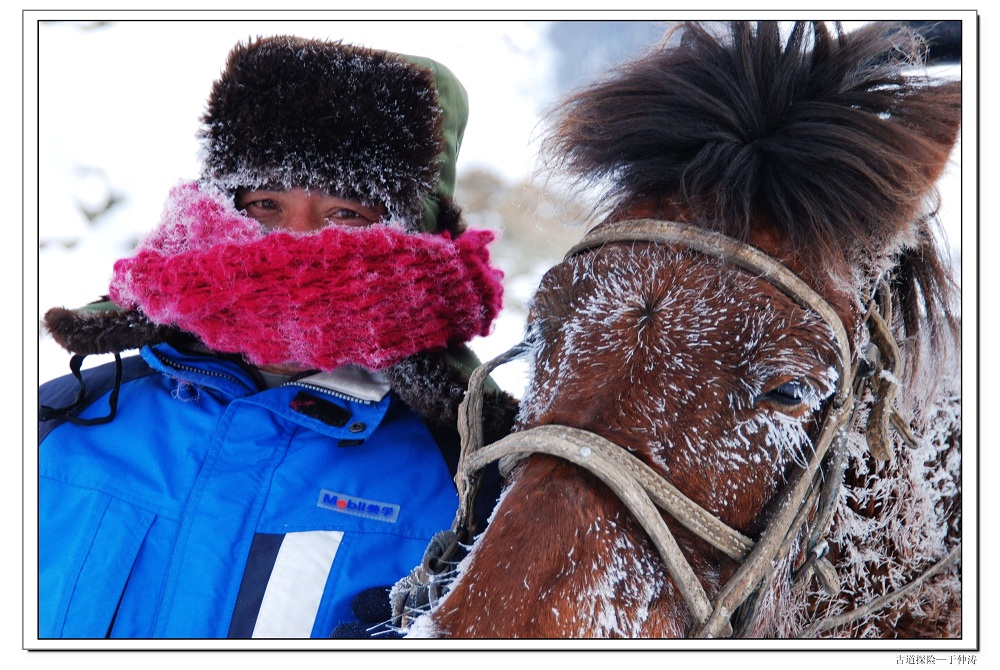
column 207, row 508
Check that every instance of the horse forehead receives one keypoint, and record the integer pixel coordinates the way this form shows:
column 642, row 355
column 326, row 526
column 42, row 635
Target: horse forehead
column 634, row 266
column 622, row 288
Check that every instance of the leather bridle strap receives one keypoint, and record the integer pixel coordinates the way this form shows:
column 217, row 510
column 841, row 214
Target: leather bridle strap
column 660, row 492
column 612, row 456
column 602, row 458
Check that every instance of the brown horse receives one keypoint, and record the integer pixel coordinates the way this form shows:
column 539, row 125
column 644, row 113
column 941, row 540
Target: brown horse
column 760, row 339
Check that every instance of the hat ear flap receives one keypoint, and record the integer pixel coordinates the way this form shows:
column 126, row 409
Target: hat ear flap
column 105, row 328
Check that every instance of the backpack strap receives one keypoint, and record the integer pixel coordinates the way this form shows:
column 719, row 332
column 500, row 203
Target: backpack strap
column 62, row 399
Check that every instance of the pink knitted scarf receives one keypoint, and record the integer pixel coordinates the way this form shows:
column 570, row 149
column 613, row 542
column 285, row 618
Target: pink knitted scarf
column 368, row 296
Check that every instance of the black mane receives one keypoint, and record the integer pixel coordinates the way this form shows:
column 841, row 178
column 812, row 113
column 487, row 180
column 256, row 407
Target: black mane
column 832, row 139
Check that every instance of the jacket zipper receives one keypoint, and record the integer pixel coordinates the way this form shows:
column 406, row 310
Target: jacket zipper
column 312, row 387
column 187, row 368
column 330, row 392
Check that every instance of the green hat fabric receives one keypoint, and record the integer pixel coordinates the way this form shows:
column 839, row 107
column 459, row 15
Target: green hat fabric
column 454, row 103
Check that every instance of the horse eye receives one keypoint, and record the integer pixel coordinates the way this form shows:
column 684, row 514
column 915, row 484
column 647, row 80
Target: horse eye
column 790, row 394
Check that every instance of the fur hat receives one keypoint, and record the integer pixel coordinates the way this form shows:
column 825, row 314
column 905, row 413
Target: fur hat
column 368, row 125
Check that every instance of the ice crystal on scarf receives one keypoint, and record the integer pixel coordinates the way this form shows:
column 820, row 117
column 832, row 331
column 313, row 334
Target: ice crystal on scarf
column 367, row 296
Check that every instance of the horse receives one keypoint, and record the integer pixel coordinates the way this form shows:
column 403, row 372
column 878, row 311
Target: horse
column 744, row 409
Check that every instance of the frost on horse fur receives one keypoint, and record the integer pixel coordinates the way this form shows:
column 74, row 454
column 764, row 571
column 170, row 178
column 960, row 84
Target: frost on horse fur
column 901, row 518
column 667, row 332
column 821, row 150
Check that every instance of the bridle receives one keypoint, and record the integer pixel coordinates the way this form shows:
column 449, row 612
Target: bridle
column 809, row 501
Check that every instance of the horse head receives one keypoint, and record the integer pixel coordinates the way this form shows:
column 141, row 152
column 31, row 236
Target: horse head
column 731, row 326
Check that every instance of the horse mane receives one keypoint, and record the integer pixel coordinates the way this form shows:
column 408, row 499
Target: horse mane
column 832, row 139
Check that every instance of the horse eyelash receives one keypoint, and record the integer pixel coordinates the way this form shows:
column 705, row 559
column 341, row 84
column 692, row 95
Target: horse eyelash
column 811, row 398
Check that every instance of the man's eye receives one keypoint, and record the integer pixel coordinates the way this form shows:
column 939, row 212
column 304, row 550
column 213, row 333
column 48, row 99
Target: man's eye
column 345, row 216
column 259, row 206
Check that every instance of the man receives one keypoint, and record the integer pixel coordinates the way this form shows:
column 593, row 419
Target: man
column 286, row 438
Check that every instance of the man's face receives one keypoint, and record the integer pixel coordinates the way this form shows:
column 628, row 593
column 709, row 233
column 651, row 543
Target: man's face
column 301, row 211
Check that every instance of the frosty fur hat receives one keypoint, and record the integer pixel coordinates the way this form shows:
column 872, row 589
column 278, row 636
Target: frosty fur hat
column 358, row 123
